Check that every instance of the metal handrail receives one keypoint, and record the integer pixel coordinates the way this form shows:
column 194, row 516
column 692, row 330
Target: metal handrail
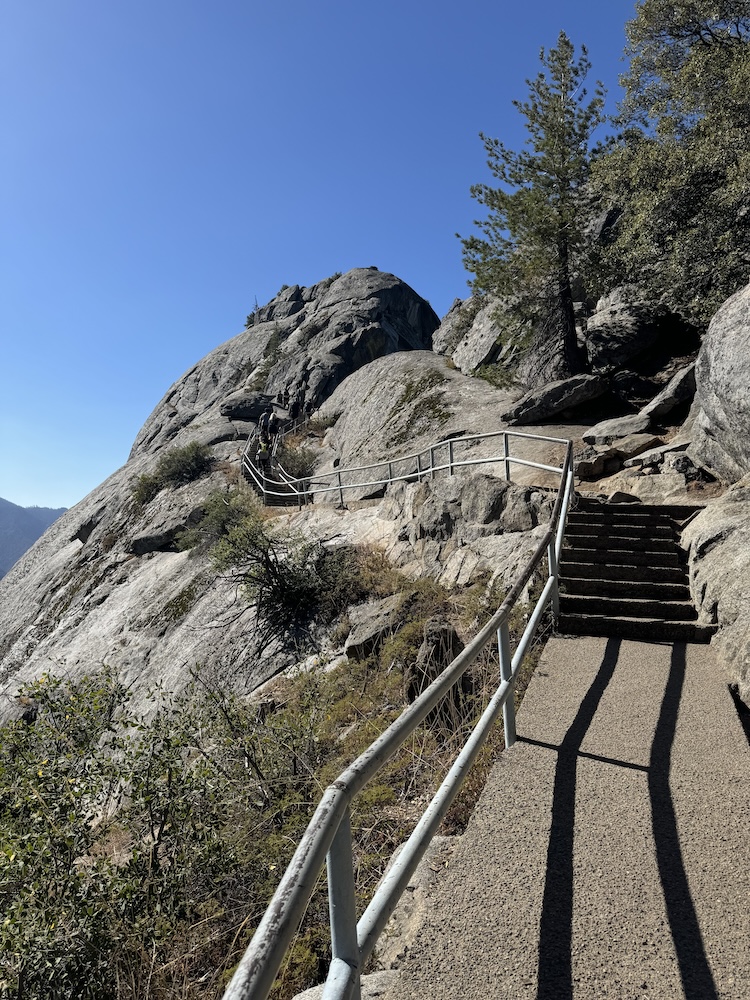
column 419, row 465
column 327, row 839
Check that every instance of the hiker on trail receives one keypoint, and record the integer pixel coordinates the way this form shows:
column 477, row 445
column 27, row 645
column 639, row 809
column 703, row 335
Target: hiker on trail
column 268, row 425
column 263, row 455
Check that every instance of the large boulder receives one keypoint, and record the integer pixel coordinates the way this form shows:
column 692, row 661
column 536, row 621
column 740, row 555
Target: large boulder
column 718, row 543
column 559, row 397
column 721, row 435
column 623, row 328
column 677, row 392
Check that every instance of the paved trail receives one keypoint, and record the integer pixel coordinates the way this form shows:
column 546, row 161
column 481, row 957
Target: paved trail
column 609, row 856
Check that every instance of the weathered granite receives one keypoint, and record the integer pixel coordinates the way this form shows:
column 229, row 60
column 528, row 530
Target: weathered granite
column 721, row 436
column 539, row 405
column 679, row 389
column 718, row 544
column 623, row 327
column 370, row 624
column 617, row 427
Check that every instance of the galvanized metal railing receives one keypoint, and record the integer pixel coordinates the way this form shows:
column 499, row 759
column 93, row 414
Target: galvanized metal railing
column 444, row 456
column 328, row 839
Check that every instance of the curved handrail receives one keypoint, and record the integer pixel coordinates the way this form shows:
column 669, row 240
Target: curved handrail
column 327, row 839
column 402, row 468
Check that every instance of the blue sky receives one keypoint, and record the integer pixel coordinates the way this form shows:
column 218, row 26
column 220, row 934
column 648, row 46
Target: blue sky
column 165, row 163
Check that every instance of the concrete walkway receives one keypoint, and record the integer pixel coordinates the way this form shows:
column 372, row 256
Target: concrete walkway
column 609, row 856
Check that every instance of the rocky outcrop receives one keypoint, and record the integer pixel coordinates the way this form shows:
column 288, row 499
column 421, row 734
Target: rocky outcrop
column 461, row 527
column 402, row 403
column 109, row 583
column 306, row 340
column 623, row 327
column 721, row 437
column 718, row 543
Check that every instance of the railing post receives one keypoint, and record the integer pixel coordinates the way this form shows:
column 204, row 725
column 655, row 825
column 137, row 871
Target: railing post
column 419, row 469
column 390, row 472
column 506, row 457
column 432, row 463
column 450, row 457
column 555, row 576
column 341, row 902
column 506, row 674
column 341, row 491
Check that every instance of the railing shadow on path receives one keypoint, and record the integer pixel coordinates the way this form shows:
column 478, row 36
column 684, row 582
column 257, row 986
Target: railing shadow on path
column 555, row 972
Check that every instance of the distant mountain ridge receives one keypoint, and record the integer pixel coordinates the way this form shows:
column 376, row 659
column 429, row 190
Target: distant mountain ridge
column 19, row 529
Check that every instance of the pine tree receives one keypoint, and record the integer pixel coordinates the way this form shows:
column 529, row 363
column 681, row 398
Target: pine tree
column 534, row 238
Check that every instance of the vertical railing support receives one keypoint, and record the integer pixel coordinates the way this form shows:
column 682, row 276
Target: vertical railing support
column 506, row 457
column 432, row 463
column 419, row 469
column 341, row 903
column 390, row 472
column 506, row 674
column 341, row 491
column 450, row 457
column 555, row 576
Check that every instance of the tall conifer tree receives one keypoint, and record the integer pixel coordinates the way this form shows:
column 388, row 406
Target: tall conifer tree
column 534, row 237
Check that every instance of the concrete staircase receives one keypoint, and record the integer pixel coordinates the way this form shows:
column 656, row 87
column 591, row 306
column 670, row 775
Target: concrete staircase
column 623, row 573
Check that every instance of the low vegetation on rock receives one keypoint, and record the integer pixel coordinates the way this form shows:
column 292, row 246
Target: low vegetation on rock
column 138, row 855
column 175, row 467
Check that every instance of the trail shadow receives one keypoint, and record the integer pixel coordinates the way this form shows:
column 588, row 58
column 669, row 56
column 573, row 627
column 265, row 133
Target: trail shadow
column 555, row 976
column 697, row 980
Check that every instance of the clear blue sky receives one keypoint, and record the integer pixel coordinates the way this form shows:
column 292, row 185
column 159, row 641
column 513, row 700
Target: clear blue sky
column 165, row 163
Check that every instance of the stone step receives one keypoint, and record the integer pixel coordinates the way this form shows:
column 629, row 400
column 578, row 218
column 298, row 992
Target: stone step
column 637, row 588
column 679, row 512
column 629, row 543
column 603, row 569
column 645, row 520
column 623, row 557
column 644, row 629
column 576, row 528
column 627, row 607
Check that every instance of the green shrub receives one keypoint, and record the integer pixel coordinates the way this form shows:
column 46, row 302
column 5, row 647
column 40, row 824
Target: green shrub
column 176, row 467
column 297, row 461
column 222, row 511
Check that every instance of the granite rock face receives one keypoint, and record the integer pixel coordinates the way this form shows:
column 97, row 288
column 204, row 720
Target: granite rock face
column 306, row 340
column 623, row 327
column 718, row 543
column 108, row 583
column 721, row 436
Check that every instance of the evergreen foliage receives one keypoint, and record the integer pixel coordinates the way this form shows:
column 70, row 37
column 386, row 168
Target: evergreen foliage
column 680, row 171
column 534, row 239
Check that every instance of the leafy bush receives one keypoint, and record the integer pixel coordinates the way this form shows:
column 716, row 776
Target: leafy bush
column 222, row 511
column 175, row 467
column 297, row 461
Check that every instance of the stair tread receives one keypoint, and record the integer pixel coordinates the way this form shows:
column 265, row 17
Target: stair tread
column 636, row 628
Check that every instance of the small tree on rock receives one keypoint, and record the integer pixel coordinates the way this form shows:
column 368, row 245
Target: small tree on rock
column 534, row 239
